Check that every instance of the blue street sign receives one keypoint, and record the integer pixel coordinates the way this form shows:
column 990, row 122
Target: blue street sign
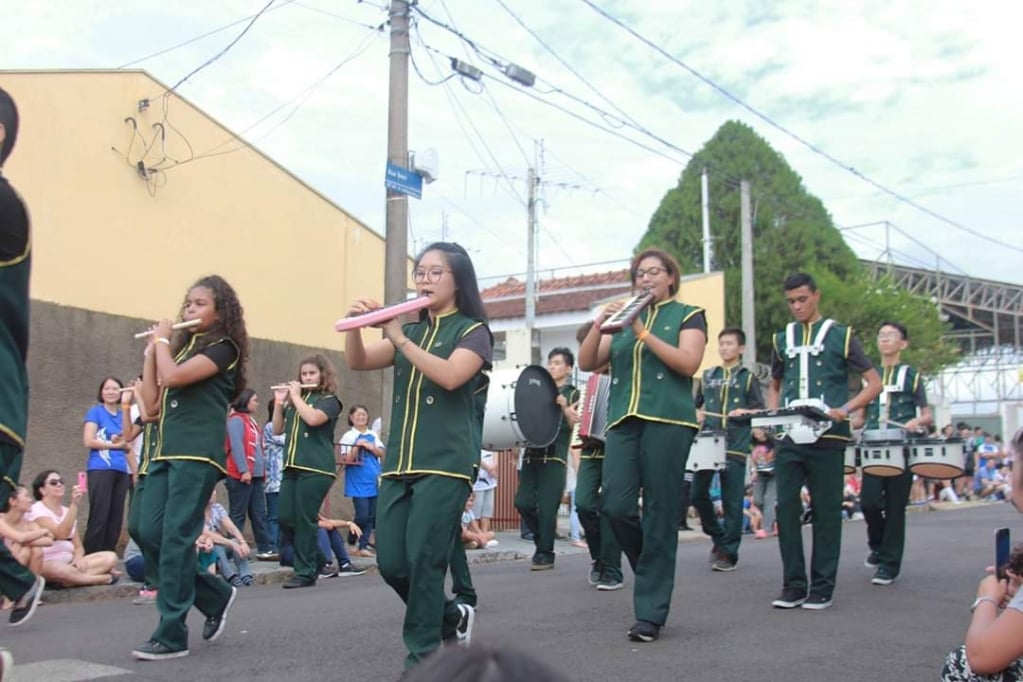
column 404, row 181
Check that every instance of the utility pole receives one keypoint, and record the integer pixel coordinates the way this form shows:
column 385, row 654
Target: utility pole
column 705, row 200
column 396, row 211
column 749, row 318
column 531, row 255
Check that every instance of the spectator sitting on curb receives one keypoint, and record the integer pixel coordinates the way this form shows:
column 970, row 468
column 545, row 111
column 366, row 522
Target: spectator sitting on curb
column 229, row 546
column 472, row 535
column 25, row 539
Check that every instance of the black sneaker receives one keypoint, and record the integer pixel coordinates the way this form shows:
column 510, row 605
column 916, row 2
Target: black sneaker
column 882, row 576
column 724, row 563
column 609, row 584
column 816, row 602
column 156, row 651
column 542, row 563
column 214, row 625
column 715, row 552
column 872, row 561
column 644, row 631
column 328, row 571
column 350, row 569
column 789, row 598
column 295, row 582
column 463, row 631
column 596, row 573
column 25, row 607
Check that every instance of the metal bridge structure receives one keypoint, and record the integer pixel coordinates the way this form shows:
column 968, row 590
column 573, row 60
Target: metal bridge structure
column 986, row 319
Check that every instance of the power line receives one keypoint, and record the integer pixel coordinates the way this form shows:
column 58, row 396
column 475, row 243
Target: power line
column 226, row 48
column 809, row 145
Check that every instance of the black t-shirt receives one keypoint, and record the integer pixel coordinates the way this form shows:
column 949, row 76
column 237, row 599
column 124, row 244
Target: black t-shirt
column 330, row 406
column 222, row 354
column 13, row 222
column 479, row 342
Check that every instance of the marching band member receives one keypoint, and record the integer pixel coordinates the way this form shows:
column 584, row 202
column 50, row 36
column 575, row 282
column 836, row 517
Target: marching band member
column 818, row 366
column 605, row 552
column 542, row 478
column 729, row 390
column 434, row 440
column 307, row 417
column 199, row 371
column 884, row 498
column 652, row 423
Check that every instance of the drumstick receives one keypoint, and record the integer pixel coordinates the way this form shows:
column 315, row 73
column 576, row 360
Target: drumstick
column 177, row 325
column 280, row 387
column 724, row 416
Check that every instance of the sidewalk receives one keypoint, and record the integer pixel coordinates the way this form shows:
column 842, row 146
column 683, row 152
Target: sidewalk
column 510, row 548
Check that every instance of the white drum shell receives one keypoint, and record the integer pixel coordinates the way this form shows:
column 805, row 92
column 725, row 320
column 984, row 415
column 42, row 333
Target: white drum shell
column 501, row 427
column 852, row 458
column 936, row 458
column 708, row 452
column 883, row 459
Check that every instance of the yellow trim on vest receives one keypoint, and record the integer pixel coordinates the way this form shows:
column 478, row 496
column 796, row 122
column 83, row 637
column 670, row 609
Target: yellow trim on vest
column 191, row 458
column 419, row 391
column 13, row 436
column 20, row 258
column 848, row 340
column 314, row 471
column 421, row 472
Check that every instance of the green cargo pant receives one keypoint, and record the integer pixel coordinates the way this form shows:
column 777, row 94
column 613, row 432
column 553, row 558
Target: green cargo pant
column 461, row 578
column 733, row 488
column 651, row 456
column 173, row 512
column 298, row 512
column 541, row 487
column 604, row 547
column 136, row 493
column 883, row 499
column 15, row 579
column 821, row 469
column 417, row 520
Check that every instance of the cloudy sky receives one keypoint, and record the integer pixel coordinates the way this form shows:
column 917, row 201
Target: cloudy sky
column 922, row 97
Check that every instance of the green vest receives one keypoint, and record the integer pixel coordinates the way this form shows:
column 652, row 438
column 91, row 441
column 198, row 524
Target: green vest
column 193, row 418
column 725, row 389
column 557, row 451
column 591, row 452
column 433, row 430
column 150, row 440
column 14, row 306
column 310, row 448
column 827, row 375
column 898, row 385
column 643, row 386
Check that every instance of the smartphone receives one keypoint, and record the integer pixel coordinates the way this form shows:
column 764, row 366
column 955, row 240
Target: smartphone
column 1002, row 547
column 83, row 485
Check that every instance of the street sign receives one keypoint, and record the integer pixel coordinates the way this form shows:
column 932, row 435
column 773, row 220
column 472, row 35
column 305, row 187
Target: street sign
column 403, row 180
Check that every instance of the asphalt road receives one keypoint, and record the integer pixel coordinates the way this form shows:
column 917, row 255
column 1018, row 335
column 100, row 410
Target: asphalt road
column 721, row 627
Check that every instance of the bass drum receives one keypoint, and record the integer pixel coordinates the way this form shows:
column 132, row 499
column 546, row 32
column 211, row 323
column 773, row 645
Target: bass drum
column 522, row 409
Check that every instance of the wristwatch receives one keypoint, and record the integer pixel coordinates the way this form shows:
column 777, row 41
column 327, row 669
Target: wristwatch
column 977, row 602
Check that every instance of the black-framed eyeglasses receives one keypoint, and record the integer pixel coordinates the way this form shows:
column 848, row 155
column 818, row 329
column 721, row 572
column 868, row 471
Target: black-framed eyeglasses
column 432, row 275
column 55, row 482
column 653, row 272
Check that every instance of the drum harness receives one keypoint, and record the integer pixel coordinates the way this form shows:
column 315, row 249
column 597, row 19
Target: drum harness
column 807, row 431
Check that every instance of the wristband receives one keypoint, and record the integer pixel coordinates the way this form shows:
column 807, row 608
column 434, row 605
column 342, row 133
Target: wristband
column 163, row 339
column 979, row 600
column 642, row 335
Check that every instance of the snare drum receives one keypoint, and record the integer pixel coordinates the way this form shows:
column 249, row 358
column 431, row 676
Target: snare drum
column 883, row 452
column 852, row 458
column 708, row 452
column 522, row 409
column 936, row 458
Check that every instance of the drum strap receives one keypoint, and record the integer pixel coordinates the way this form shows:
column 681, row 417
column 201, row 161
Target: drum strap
column 897, row 387
column 804, row 352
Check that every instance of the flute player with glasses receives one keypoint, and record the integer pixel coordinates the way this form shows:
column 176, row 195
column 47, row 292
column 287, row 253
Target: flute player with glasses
column 651, row 426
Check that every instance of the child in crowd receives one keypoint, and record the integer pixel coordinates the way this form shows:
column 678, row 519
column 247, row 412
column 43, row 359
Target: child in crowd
column 765, row 495
column 472, row 536
column 229, row 546
column 752, row 518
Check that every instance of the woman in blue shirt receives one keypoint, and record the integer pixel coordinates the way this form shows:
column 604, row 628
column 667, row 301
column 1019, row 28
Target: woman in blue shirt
column 361, row 450
column 109, row 470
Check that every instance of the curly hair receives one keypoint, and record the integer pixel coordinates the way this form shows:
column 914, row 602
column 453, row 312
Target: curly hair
column 328, row 375
column 1015, row 563
column 230, row 323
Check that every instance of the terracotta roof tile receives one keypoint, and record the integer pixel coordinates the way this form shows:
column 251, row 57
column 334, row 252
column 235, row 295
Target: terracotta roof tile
column 557, row 295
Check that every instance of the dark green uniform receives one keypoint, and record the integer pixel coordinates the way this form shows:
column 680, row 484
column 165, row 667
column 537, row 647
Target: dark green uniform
column 308, row 472
column 652, row 422
column 15, row 268
column 542, row 484
column 432, row 450
column 149, row 443
column 722, row 390
column 605, row 551
column 818, row 465
column 190, row 460
column 884, row 498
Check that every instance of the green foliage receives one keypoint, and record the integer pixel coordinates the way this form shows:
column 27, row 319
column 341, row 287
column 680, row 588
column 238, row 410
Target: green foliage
column 792, row 231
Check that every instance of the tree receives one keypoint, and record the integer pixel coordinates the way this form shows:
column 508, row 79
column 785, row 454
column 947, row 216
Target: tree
column 792, row 232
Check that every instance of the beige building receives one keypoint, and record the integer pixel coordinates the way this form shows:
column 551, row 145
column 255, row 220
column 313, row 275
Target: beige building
column 134, row 194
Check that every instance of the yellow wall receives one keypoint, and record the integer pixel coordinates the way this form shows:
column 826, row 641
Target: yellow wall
column 708, row 292
column 104, row 243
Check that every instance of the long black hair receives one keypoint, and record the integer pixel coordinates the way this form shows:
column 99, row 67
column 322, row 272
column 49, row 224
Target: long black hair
column 467, row 291
column 9, row 120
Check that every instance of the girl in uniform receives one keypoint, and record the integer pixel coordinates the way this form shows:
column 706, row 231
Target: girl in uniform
column 434, row 439
column 651, row 426
column 193, row 375
column 307, row 418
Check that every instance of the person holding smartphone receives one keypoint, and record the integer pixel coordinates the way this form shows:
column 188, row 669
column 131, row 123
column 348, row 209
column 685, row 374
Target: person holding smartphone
column 994, row 640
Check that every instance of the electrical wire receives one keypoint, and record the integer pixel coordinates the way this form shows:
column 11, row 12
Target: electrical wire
column 809, row 145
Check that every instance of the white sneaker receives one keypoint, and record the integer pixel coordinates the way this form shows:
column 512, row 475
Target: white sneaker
column 463, row 631
column 492, row 543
